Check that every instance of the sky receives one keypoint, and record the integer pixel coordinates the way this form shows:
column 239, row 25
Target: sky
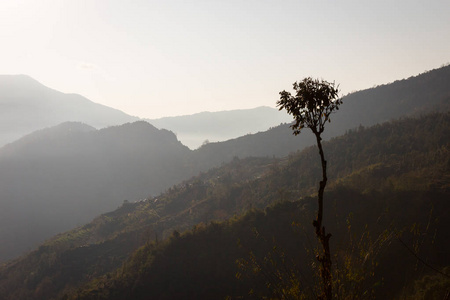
column 166, row 58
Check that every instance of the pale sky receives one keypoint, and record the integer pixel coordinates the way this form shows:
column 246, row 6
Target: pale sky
column 162, row 58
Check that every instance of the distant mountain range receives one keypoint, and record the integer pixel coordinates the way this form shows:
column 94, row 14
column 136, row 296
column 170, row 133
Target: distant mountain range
column 198, row 129
column 26, row 105
column 62, row 176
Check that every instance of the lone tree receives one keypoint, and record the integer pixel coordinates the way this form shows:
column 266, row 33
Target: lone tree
column 311, row 107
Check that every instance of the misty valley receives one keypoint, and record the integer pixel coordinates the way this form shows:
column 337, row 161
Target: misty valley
column 98, row 204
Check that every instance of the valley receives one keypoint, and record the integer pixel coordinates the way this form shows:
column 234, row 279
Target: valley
column 152, row 208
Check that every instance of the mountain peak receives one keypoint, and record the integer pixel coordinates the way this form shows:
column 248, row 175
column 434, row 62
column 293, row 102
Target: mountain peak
column 144, row 132
column 74, row 126
column 13, row 82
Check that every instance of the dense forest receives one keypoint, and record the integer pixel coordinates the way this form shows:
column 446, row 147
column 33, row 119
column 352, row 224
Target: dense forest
column 243, row 230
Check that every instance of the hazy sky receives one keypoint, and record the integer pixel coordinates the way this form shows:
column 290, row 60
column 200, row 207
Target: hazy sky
column 158, row 58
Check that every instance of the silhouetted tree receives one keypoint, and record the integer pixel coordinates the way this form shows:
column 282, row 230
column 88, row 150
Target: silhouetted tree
column 311, row 106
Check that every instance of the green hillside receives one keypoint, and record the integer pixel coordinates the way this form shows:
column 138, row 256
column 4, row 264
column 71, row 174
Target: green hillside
column 389, row 176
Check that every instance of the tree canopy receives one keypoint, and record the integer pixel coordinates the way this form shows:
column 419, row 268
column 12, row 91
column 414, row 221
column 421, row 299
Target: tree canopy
column 312, row 104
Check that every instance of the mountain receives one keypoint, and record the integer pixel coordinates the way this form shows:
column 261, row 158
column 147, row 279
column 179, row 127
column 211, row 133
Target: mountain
column 389, row 181
column 197, row 129
column 26, row 105
column 425, row 93
column 421, row 94
column 59, row 177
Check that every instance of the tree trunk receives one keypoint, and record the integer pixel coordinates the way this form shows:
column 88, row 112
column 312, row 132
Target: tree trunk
column 324, row 256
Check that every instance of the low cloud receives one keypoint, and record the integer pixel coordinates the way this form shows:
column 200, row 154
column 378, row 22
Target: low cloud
column 95, row 70
column 86, row 66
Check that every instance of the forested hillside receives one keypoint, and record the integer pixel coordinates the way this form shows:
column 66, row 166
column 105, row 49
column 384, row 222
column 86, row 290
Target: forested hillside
column 393, row 177
column 269, row 253
column 63, row 176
